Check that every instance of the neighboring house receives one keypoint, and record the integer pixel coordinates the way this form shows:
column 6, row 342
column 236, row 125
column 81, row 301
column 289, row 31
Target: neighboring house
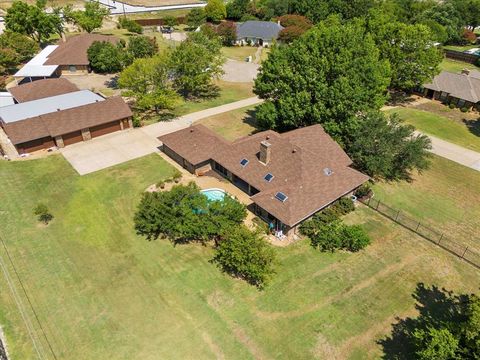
column 462, row 90
column 258, row 33
column 289, row 176
column 68, row 57
column 6, row 99
column 60, row 116
column 41, row 89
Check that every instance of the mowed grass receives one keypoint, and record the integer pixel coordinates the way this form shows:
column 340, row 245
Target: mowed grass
column 442, row 127
column 233, row 124
column 455, row 66
column 445, row 197
column 239, row 53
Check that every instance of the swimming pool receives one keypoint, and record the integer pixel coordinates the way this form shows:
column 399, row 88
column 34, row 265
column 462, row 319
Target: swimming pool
column 214, row 194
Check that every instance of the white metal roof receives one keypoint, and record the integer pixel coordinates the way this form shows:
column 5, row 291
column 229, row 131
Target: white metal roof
column 35, row 67
column 6, row 99
column 48, row 105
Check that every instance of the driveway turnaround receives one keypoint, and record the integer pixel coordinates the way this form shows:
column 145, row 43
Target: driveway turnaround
column 239, row 71
column 119, row 147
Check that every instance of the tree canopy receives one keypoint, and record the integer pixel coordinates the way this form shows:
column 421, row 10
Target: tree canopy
column 105, row 57
column 33, row 21
column 89, row 19
column 196, row 17
column 327, row 76
column 15, row 49
column 215, row 10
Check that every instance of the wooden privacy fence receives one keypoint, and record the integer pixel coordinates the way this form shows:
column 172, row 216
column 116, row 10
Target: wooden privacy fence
column 461, row 56
column 158, row 22
column 467, row 253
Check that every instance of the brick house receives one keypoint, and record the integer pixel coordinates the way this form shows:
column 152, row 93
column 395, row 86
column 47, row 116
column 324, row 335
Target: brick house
column 289, row 177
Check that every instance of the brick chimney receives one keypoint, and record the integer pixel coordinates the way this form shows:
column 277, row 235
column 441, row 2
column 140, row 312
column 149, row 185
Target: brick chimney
column 265, row 152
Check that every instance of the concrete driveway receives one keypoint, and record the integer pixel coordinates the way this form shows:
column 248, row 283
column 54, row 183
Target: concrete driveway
column 108, row 150
column 239, row 71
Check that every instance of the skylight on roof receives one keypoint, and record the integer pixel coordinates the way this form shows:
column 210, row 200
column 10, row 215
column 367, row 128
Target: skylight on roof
column 244, row 162
column 269, row 177
column 328, row 171
column 281, row 196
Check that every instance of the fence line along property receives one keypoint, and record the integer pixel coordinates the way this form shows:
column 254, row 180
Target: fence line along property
column 466, row 253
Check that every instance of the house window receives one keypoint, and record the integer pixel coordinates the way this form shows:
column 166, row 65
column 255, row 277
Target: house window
column 221, row 169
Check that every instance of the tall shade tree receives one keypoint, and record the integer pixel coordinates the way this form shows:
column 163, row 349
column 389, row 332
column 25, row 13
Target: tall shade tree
column 326, row 77
column 237, row 9
column 195, row 63
column 196, row 17
column 409, row 49
column 33, row 21
column 215, row 10
column 24, row 47
column 446, row 15
column 89, row 19
column 383, row 147
column 105, row 57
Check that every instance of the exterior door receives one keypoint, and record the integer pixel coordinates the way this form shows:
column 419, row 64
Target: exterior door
column 103, row 129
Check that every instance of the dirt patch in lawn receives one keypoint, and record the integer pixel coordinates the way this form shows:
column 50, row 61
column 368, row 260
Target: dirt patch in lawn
column 440, row 109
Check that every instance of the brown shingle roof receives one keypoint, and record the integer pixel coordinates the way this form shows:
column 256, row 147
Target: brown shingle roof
column 66, row 121
column 41, row 89
column 298, row 163
column 74, row 50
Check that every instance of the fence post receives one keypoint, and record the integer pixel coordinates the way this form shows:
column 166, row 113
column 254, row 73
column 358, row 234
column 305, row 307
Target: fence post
column 398, row 213
column 441, row 237
column 378, row 204
column 418, row 225
column 463, row 255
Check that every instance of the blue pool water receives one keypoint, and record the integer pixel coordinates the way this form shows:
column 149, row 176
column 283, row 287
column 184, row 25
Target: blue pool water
column 214, row 194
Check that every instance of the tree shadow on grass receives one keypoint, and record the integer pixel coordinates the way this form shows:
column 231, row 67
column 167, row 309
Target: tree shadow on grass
column 112, row 83
column 251, row 119
column 473, row 126
column 436, row 307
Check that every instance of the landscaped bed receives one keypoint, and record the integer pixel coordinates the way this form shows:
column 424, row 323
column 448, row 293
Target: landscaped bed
column 101, row 291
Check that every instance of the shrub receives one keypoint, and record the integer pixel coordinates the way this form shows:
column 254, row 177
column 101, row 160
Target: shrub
column 170, row 21
column 469, row 36
column 464, row 109
column 245, row 254
column 130, row 25
column 43, row 214
column 177, row 176
column 354, row 238
column 452, row 106
column 344, row 205
column 136, row 121
column 227, row 31
column 365, row 190
column 160, row 184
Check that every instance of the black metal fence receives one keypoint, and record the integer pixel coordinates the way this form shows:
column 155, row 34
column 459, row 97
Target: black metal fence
column 467, row 253
column 461, row 56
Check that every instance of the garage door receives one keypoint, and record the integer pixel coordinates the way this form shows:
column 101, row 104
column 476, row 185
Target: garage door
column 72, row 138
column 103, row 129
column 34, row 145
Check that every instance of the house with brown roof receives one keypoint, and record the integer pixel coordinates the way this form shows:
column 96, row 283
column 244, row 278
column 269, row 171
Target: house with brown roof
column 41, row 89
column 289, row 177
column 462, row 90
column 65, row 117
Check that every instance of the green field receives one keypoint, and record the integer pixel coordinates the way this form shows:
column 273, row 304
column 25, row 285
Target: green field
column 442, row 127
column 101, row 291
column 455, row 66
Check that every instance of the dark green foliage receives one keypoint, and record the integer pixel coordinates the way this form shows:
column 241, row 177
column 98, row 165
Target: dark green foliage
column 43, row 214
column 354, row 238
column 24, row 47
column 184, row 214
column 344, row 206
column 196, row 17
column 130, row 25
column 170, row 20
column 365, row 190
column 245, row 254
column 89, row 19
column 328, row 76
column 215, row 10
column 142, row 47
column 384, row 147
column 194, row 64
column 227, row 31
column 105, row 57
column 447, row 327
column 33, row 20
column 237, row 9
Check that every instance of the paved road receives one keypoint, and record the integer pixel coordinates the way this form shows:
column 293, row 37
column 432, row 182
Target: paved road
column 118, row 7
column 460, row 155
column 122, row 146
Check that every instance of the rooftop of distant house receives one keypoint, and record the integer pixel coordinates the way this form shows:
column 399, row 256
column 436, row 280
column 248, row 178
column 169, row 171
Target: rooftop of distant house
column 265, row 30
column 42, row 89
column 465, row 85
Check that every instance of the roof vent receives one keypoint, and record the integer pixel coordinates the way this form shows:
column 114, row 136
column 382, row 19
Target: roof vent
column 58, row 109
column 294, row 151
column 191, row 130
column 328, row 171
column 268, row 137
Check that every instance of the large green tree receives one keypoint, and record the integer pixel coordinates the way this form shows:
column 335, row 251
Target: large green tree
column 196, row 17
column 383, row 147
column 245, row 254
column 327, row 76
column 105, row 57
column 33, row 20
column 409, row 49
column 195, row 63
column 89, row 19
column 215, row 10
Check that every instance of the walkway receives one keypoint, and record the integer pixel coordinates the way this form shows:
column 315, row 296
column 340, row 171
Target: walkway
column 118, row 7
column 122, row 146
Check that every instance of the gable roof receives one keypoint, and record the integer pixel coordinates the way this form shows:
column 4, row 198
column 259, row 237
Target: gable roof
column 69, row 120
column 461, row 86
column 73, row 51
column 299, row 163
column 265, row 30
column 42, row 89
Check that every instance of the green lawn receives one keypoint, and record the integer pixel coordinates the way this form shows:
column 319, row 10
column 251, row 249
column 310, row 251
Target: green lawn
column 442, row 127
column 239, row 53
column 447, row 197
column 455, row 66
column 102, row 292
column 459, row 47
column 233, row 124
